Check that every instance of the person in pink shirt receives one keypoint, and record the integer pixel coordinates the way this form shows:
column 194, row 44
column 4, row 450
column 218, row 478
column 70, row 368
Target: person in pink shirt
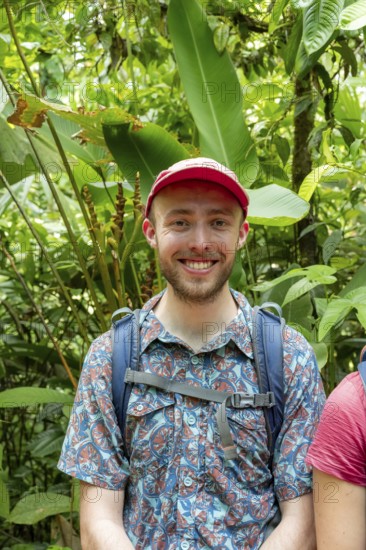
column 338, row 457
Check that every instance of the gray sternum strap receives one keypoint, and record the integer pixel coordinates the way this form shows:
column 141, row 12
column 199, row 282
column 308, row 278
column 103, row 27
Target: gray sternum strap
column 239, row 400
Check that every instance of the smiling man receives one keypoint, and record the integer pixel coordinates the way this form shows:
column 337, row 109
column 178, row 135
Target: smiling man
column 177, row 490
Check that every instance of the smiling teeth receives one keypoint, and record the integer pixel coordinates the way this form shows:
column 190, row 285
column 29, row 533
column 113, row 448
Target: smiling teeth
column 199, row 265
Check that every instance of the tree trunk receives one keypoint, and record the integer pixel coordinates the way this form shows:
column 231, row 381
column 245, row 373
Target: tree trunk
column 303, row 125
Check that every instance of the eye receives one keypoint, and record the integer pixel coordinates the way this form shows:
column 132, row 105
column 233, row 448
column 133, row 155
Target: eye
column 179, row 223
column 219, row 223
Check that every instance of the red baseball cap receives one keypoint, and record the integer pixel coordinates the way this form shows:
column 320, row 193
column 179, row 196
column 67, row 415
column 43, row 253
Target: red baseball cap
column 203, row 169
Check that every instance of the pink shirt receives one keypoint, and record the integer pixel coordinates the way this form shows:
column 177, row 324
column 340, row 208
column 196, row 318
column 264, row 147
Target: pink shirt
column 339, row 448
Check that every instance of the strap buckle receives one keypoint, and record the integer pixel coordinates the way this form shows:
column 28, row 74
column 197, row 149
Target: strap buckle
column 241, row 400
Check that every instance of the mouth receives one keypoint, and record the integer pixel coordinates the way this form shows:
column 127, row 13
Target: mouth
column 199, row 265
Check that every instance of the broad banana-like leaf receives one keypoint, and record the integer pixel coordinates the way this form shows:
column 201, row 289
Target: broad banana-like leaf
column 321, row 18
column 22, row 397
column 143, row 148
column 275, row 205
column 213, row 91
column 354, row 16
column 36, row 506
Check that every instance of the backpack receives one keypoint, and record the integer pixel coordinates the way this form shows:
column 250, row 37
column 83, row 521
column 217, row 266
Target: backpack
column 362, row 366
column 268, row 362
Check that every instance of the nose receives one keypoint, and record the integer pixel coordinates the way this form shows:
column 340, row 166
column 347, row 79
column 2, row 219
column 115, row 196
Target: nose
column 201, row 239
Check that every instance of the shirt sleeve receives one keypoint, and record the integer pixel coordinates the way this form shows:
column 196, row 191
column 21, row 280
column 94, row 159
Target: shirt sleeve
column 339, row 448
column 304, row 402
column 92, row 447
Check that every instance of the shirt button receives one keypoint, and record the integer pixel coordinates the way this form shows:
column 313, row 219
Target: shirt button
column 191, row 420
column 184, row 545
column 195, row 360
column 187, row 482
column 139, row 407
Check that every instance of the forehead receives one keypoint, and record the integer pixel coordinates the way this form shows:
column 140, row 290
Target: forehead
column 196, row 194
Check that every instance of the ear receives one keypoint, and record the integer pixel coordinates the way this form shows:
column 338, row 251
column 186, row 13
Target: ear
column 243, row 233
column 149, row 232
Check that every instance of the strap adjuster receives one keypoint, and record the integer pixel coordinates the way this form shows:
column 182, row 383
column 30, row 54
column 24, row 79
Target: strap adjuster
column 265, row 400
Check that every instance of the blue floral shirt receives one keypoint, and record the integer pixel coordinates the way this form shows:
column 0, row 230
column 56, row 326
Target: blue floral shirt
column 180, row 490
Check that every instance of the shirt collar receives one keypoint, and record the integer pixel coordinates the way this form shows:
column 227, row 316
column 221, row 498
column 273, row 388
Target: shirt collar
column 238, row 331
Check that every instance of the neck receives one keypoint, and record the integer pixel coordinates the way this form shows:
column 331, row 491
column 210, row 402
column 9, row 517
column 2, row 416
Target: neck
column 196, row 323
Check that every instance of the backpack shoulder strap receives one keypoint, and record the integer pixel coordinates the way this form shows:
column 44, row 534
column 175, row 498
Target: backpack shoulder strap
column 125, row 354
column 362, row 366
column 268, row 359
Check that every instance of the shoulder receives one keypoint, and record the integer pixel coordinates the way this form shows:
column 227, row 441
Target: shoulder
column 98, row 360
column 100, row 348
column 339, row 448
column 347, row 402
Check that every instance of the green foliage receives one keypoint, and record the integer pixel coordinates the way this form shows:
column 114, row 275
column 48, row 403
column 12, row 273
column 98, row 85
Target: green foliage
column 146, row 149
column 95, row 101
column 213, row 91
column 35, row 507
column 320, row 20
column 354, row 16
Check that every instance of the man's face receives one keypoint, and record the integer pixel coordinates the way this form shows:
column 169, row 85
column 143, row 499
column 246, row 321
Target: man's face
column 197, row 229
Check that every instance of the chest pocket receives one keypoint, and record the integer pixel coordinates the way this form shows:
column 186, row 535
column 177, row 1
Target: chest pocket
column 150, row 429
column 249, row 434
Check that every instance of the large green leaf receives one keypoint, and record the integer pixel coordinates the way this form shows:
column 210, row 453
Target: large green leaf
column 143, row 148
column 276, row 205
column 357, row 281
column 323, row 274
column 354, row 16
column 212, row 89
column 336, row 311
column 320, row 20
column 311, row 181
column 22, row 397
column 32, row 508
column 298, row 289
